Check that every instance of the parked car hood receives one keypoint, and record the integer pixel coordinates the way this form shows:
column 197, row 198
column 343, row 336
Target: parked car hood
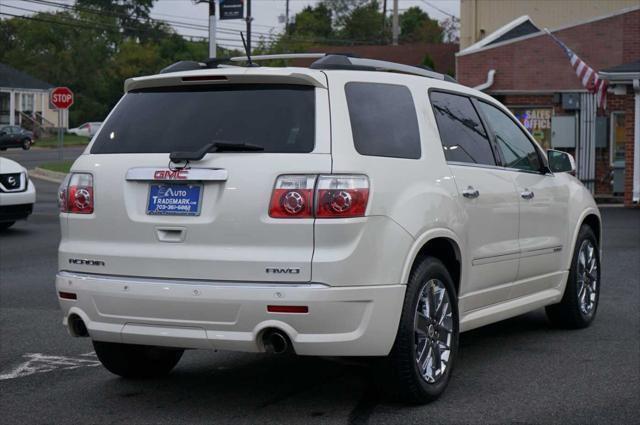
column 9, row 166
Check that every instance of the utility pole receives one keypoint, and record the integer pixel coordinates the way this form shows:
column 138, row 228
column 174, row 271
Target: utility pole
column 249, row 18
column 384, row 19
column 212, row 28
column 286, row 17
column 395, row 29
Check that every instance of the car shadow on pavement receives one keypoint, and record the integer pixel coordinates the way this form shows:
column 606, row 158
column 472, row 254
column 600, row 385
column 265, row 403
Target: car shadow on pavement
column 250, row 387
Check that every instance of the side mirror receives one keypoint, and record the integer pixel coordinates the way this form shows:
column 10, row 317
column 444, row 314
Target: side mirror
column 561, row 162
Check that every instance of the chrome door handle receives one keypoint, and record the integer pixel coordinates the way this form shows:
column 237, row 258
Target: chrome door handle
column 470, row 193
column 527, row 194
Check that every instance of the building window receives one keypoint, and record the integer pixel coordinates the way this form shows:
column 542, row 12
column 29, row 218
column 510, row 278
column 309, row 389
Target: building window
column 538, row 122
column 617, row 137
column 27, row 102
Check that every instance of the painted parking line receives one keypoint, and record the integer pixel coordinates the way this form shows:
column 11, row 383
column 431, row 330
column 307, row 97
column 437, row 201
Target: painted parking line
column 43, row 363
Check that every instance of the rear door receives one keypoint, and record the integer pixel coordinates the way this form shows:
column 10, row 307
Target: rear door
column 225, row 233
column 488, row 197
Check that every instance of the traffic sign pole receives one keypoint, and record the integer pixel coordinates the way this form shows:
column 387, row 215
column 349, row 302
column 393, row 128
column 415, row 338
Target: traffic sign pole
column 61, row 98
column 60, row 138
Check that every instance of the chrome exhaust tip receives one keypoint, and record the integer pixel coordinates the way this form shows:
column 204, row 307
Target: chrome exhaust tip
column 276, row 342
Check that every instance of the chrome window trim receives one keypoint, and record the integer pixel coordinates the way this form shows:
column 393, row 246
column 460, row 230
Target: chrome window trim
column 199, row 174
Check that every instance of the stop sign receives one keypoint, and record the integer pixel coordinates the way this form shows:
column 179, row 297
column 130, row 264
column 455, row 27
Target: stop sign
column 61, row 97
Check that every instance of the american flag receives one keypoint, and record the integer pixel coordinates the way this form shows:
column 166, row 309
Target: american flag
column 588, row 77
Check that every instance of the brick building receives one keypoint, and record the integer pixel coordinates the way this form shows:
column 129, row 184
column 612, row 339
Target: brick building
column 523, row 67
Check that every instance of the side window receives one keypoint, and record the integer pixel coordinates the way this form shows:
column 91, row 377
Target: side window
column 516, row 148
column 383, row 120
column 463, row 137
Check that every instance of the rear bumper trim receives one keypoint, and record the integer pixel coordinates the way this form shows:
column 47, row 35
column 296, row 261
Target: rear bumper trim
column 341, row 321
column 210, row 283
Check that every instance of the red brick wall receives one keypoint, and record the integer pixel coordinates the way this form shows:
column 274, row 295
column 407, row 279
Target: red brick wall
column 538, row 63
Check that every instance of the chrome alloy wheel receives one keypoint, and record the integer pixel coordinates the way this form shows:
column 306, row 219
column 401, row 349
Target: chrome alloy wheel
column 587, row 275
column 433, row 331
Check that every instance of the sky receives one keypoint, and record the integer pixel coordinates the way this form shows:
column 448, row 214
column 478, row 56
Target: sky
column 265, row 15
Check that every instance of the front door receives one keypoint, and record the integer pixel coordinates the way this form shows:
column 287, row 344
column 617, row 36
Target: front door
column 488, row 197
column 543, row 199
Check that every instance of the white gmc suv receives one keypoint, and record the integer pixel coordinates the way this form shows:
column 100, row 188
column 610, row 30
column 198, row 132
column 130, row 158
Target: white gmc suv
column 352, row 208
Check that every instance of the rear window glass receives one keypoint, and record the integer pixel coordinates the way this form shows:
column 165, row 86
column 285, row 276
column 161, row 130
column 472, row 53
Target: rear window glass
column 280, row 118
column 383, row 120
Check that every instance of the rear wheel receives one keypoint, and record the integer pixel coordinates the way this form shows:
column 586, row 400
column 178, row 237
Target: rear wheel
column 137, row 361
column 26, row 144
column 582, row 292
column 427, row 341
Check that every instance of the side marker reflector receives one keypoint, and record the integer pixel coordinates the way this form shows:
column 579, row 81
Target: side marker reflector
column 287, row 309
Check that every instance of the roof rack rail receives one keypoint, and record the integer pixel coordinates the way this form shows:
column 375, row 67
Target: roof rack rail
column 345, row 61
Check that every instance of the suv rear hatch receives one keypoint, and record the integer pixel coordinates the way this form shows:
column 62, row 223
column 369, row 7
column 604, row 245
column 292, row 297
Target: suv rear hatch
column 224, row 232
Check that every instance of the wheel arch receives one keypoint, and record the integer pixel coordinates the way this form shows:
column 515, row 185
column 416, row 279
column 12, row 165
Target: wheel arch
column 442, row 244
column 590, row 217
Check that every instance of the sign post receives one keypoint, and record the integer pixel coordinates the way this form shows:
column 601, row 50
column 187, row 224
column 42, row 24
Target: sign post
column 61, row 98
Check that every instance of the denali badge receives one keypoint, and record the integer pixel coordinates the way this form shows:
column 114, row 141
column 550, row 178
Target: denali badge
column 85, row 262
column 277, row 270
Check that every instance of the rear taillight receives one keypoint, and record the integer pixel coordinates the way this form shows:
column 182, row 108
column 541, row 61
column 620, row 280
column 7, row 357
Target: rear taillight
column 76, row 194
column 342, row 196
column 292, row 197
column 335, row 196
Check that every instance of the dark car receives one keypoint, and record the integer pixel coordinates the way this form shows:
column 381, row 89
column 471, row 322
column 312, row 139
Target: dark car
column 12, row 136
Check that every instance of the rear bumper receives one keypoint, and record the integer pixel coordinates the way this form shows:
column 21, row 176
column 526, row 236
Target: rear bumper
column 341, row 321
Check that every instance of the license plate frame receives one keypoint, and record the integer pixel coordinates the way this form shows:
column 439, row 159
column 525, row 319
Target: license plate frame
column 191, row 208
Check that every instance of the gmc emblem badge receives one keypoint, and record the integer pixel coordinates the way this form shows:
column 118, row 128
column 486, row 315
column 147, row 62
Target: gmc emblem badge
column 171, row 174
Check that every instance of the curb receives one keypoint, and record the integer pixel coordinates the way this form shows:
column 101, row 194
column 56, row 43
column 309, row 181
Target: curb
column 47, row 175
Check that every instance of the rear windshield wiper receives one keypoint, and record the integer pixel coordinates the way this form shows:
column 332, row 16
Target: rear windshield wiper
column 214, row 147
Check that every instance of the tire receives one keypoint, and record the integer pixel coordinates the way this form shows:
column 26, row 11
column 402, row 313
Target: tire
column 430, row 280
column 137, row 361
column 26, row 144
column 576, row 311
column 6, row 225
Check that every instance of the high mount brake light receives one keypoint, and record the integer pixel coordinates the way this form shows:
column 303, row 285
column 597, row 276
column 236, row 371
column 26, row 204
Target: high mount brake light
column 75, row 194
column 335, row 196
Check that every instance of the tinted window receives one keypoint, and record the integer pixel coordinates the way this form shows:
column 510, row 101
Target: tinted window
column 383, row 120
column 280, row 118
column 463, row 137
column 515, row 147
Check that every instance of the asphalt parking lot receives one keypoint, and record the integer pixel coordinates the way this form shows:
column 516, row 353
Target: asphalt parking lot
column 520, row 370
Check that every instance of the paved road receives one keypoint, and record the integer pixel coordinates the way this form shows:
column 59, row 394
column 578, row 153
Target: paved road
column 520, row 370
column 36, row 156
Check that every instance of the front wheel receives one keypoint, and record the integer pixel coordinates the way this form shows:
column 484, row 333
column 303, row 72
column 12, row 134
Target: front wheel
column 26, row 144
column 582, row 292
column 427, row 341
column 137, row 361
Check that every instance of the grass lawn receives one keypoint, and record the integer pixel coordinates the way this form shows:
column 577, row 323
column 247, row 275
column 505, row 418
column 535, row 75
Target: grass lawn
column 69, row 140
column 60, row 166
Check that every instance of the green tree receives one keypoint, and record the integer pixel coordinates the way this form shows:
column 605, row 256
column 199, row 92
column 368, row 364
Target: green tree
column 133, row 16
column 363, row 24
column 416, row 25
column 312, row 22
